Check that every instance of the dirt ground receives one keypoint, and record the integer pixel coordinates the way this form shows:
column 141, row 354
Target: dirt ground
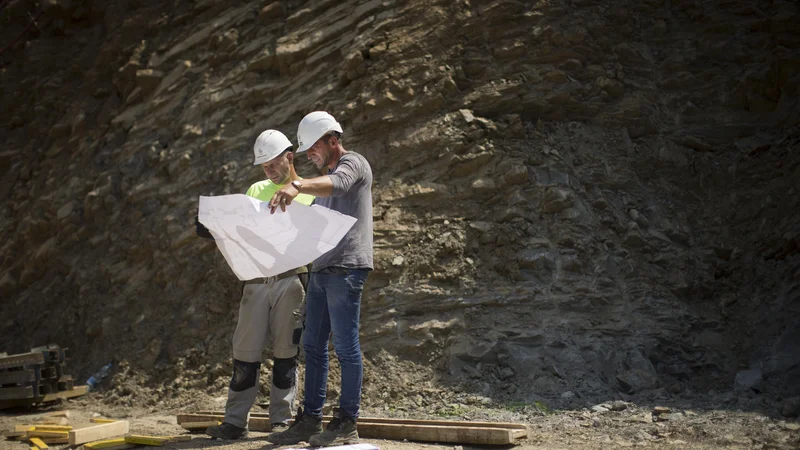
column 610, row 425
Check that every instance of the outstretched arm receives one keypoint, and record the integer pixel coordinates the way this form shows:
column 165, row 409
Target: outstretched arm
column 319, row 187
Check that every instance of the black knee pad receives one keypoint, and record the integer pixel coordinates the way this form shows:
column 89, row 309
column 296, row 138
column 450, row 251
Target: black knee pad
column 245, row 375
column 284, row 372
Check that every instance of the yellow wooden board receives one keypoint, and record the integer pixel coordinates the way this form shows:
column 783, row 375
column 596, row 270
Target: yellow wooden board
column 52, row 427
column 116, row 443
column 101, row 420
column 38, row 442
column 146, row 440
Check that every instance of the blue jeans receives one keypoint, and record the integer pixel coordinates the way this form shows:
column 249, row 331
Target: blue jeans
column 333, row 304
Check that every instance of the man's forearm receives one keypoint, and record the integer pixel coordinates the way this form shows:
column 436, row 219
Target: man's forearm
column 319, row 186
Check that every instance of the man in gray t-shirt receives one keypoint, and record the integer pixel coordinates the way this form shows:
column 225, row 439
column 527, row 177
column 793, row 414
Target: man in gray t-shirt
column 333, row 298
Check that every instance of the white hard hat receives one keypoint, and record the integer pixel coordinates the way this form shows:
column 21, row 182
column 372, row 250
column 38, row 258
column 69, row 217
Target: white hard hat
column 269, row 144
column 313, row 126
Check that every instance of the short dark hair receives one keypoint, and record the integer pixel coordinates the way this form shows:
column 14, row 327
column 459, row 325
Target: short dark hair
column 336, row 134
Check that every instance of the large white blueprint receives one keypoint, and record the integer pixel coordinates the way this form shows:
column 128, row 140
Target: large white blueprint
column 259, row 244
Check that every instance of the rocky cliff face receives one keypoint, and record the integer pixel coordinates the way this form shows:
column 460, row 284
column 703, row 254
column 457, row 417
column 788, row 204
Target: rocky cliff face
column 570, row 195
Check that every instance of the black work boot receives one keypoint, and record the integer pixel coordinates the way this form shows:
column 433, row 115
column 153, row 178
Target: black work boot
column 301, row 430
column 226, row 432
column 340, row 431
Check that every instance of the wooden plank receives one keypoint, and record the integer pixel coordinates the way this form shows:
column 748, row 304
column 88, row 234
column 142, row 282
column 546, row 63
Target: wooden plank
column 199, row 425
column 48, row 434
column 445, row 431
column 116, row 443
column 437, row 433
column 21, row 359
column 14, row 434
column 518, row 426
column 64, row 413
column 156, row 441
column 181, row 438
column 101, row 420
column 24, row 428
column 76, row 392
column 17, row 377
column 38, row 443
column 53, row 427
column 259, row 417
column 16, row 393
column 98, row 432
column 56, row 440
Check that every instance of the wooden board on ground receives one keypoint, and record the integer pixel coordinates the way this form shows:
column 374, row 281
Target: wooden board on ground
column 157, row 441
column 116, row 444
column 38, row 443
column 101, row 420
column 14, row 434
column 98, row 432
column 477, row 433
column 517, row 426
column 77, row 391
column 200, row 425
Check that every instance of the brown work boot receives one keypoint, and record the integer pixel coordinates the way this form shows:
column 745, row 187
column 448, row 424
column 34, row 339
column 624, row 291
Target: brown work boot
column 340, row 431
column 301, row 430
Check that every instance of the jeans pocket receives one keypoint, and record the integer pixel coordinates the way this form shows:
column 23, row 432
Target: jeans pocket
column 355, row 280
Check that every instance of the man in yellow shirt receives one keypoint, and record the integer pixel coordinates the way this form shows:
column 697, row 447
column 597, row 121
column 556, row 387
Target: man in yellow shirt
column 269, row 311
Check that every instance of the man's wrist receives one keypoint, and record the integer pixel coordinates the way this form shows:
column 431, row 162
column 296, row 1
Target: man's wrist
column 297, row 185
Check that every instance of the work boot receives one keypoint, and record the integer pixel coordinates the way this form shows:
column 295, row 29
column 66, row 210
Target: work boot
column 301, row 430
column 340, row 431
column 226, row 431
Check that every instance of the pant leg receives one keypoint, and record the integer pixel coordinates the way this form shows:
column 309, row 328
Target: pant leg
column 286, row 301
column 344, row 305
column 315, row 343
column 249, row 341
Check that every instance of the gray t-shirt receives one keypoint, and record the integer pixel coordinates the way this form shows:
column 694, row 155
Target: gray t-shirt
column 352, row 195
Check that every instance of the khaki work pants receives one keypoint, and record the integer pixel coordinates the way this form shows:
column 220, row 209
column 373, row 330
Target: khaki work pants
column 267, row 316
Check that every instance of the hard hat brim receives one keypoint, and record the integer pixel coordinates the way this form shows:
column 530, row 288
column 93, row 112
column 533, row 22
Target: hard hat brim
column 336, row 127
column 263, row 159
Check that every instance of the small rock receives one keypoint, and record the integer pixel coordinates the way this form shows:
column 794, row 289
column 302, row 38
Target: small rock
column 467, row 115
column 661, row 410
column 517, row 174
column 747, row 379
column 791, row 407
column 271, row 11
column 78, row 123
column 16, row 121
column 506, row 373
column 483, row 185
column 556, row 200
column 148, row 79
column 600, row 409
column 617, row 405
column 398, row 261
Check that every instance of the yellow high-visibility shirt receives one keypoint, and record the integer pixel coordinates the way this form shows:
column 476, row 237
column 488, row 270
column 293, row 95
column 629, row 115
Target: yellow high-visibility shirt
column 264, row 190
